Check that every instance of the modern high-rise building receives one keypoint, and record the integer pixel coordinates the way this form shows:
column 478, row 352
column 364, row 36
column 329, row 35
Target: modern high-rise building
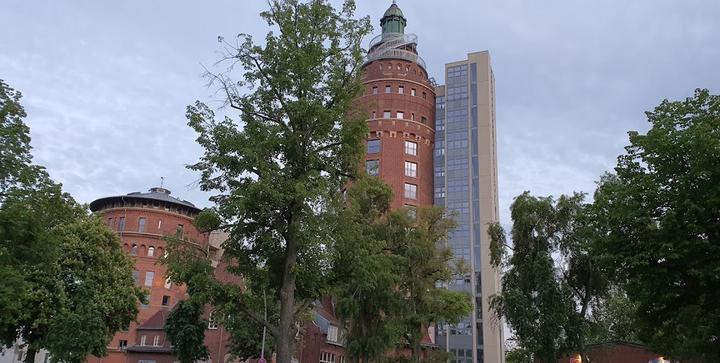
column 465, row 183
column 436, row 145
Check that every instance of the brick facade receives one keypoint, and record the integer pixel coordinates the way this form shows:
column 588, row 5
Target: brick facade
column 393, row 86
column 142, row 220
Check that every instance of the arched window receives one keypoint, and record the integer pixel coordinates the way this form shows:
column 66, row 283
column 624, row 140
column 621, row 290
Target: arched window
column 133, row 250
column 151, row 251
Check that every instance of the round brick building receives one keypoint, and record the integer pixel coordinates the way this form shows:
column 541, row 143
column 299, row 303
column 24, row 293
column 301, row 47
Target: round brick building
column 142, row 220
column 399, row 99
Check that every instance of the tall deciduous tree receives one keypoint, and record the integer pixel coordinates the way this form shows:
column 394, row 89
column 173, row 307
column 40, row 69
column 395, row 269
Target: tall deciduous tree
column 67, row 285
column 661, row 213
column 278, row 169
column 551, row 275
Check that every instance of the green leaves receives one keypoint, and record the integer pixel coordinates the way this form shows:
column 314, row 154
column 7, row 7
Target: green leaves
column 279, row 168
column 551, row 274
column 185, row 328
column 67, row 284
column 660, row 216
column 387, row 267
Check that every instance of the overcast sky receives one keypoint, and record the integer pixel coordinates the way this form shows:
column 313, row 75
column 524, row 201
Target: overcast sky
column 106, row 83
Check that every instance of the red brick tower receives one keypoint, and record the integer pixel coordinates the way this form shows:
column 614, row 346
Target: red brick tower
column 400, row 102
column 142, row 220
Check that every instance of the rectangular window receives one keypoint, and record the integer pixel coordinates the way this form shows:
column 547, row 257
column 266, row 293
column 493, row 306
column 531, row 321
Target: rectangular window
column 159, row 224
column 168, row 283
column 110, row 222
column 212, row 322
column 179, row 231
column 143, row 340
column 166, row 300
column 401, row 90
column 373, row 146
column 412, row 116
column 411, row 169
column 149, row 277
column 121, row 226
column 141, row 224
column 122, row 344
column 410, row 148
column 424, row 95
column 388, row 89
column 440, row 151
column 423, row 119
column 374, row 115
column 156, row 341
column 372, row 167
column 410, row 191
column 146, row 361
column 412, row 92
column 400, row 115
column 332, row 335
column 387, row 114
column 327, row 357
column 375, row 91
column 136, row 276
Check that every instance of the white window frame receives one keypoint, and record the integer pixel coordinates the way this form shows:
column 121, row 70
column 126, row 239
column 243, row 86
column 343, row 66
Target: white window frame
column 143, row 339
column 411, row 147
column 151, row 251
column 332, row 334
column 410, row 169
column 388, row 89
column 410, row 191
column 387, row 114
column 327, row 357
column 401, row 90
column 149, row 283
column 213, row 324
column 400, row 114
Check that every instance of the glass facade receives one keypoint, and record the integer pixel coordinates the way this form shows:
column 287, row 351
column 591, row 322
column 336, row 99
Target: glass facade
column 456, row 183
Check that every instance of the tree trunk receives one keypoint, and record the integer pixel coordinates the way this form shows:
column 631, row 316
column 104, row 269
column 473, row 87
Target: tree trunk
column 30, row 354
column 415, row 346
column 286, row 327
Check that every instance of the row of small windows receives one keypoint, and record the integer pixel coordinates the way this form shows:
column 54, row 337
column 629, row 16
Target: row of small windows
column 142, row 223
column 400, row 115
column 372, row 167
column 410, row 190
column 374, row 146
column 135, row 250
column 400, row 90
column 328, row 357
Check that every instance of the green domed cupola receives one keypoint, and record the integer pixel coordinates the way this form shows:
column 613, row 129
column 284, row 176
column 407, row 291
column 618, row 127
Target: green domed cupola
column 393, row 21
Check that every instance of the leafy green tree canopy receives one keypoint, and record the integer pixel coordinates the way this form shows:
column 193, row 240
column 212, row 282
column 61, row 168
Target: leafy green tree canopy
column 278, row 170
column 389, row 266
column 551, row 275
column 67, row 285
column 661, row 218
